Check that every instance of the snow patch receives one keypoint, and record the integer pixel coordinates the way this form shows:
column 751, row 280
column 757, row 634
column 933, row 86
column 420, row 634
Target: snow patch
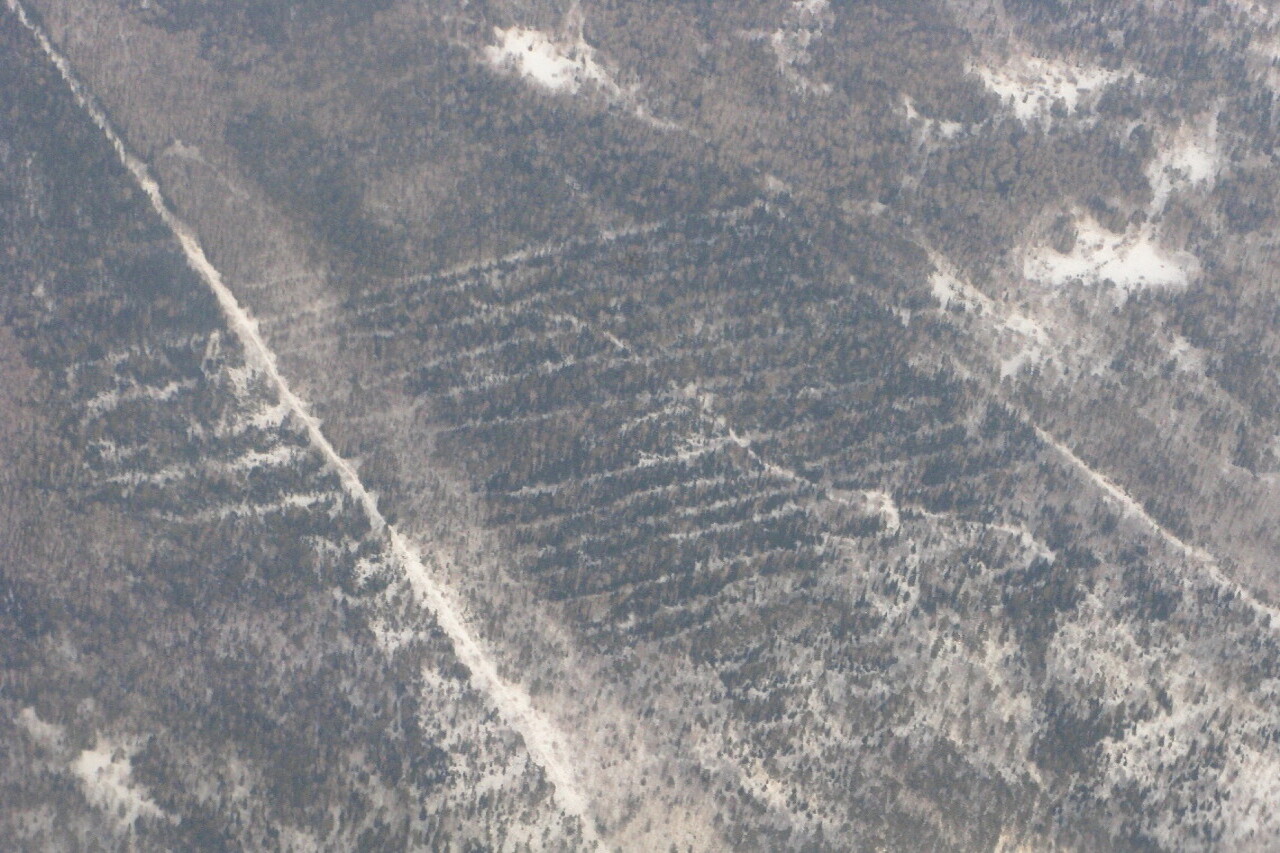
column 109, row 400
column 883, row 504
column 1191, row 157
column 790, row 44
column 1030, row 85
column 268, row 417
column 932, row 127
column 280, row 456
column 774, row 185
column 554, row 65
column 1025, row 341
column 1187, row 357
column 1025, row 326
column 1023, row 358
column 950, row 290
column 248, row 509
column 105, row 773
column 47, row 735
column 791, row 49
column 810, row 7
column 1030, row 343
column 1132, row 261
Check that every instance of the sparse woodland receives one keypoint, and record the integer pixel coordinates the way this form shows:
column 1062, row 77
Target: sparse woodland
column 782, row 414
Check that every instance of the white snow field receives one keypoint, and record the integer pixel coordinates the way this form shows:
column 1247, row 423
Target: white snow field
column 1029, row 85
column 1132, row 260
column 552, row 64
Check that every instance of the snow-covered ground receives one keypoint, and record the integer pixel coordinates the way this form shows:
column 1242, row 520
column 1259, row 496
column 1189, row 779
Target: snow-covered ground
column 547, row 746
column 790, row 44
column 556, row 65
column 1187, row 357
column 810, row 7
column 791, row 49
column 1189, row 157
column 108, row 400
column 882, row 503
column 106, row 777
column 1024, row 341
column 105, row 772
column 1030, row 85
column 951, row 290
column 564, row 66
column 1131, row 507
column 932, row 127
column 1133, row 260
column 47, row 735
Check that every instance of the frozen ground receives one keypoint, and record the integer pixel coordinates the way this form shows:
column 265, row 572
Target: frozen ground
column 564, row 66
column 555, row 65
column 1029, row 86
column 1023, row 340
column 106, row 775
column 1131, row 261
column 543, row 741
column 1189, row 157
column 931, row 127
column 105, row 772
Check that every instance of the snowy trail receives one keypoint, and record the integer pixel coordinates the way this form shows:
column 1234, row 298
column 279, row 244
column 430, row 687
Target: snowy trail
column 546, row 745
column 994, row 315
column 1134, row 509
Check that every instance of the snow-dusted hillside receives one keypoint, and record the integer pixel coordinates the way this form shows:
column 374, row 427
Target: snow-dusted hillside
column 523, row 425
